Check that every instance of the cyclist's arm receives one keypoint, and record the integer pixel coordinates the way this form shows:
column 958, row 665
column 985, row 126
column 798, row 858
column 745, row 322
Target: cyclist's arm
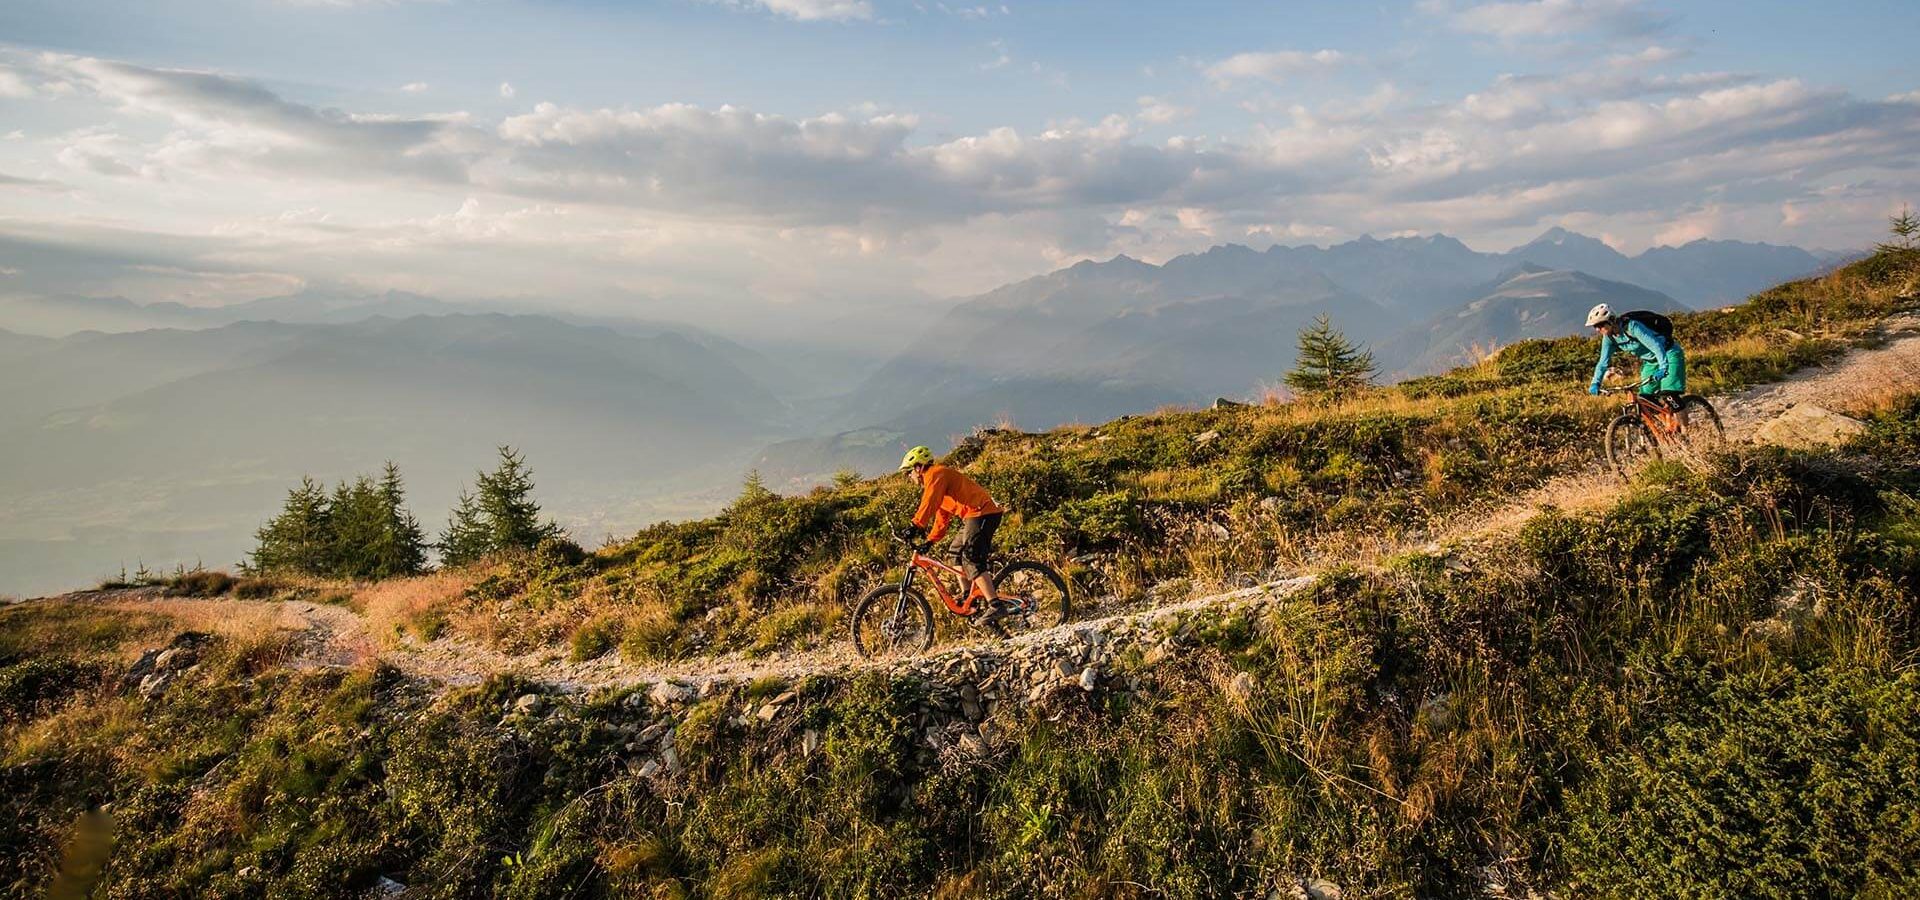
column 1606, row 359
column 1650, row 339
column 930, row 497
column 940, row 521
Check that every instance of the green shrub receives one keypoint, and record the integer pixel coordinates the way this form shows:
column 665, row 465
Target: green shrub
column 1769, row 783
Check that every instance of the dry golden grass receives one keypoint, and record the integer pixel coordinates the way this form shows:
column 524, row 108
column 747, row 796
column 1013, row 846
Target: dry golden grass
column 423, row 605
column 226, row 618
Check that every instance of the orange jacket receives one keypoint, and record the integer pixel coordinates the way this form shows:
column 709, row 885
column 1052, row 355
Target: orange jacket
column 946, row 494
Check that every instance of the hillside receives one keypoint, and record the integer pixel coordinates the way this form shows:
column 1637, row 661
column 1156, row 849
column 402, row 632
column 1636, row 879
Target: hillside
column 1396, row 705
column 1101, row 338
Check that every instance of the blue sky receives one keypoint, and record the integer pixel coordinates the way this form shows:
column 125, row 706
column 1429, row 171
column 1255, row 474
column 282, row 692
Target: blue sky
column 690, row 155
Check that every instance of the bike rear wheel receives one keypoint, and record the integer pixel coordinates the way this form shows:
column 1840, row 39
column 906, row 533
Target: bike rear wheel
column 892, row 621
column 1043, row 596
column 1700, row 428
column 1630, row 445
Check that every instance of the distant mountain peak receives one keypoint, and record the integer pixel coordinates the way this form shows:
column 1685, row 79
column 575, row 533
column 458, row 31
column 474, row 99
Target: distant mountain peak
column 1561, row 237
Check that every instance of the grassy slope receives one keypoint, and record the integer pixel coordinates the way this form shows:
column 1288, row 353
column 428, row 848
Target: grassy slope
column 1706, row 691
column 1206, row 495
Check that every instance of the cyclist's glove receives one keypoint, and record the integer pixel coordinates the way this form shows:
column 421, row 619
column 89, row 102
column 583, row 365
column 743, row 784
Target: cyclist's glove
column 1594, row 388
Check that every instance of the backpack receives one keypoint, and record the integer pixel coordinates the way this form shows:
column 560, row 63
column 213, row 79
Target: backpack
column 1655, row 322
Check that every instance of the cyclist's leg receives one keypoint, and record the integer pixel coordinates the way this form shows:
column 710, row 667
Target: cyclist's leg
column 1648, row 386
column 977, row 549
column 1675, row 383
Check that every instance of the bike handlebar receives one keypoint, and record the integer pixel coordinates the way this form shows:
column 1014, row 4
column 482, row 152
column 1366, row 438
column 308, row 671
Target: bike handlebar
column 1625, row 389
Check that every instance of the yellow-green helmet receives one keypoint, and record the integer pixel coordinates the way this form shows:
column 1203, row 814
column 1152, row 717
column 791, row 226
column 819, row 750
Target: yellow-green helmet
column 918, row 456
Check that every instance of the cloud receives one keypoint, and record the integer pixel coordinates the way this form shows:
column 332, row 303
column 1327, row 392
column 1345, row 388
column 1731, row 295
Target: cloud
column 230, row 120
column 1272, row 66
column 12, row 85
column 809, row 10
column 19, row 182
column 1651, row 55
column 1156, row 111
column 415, row 87
column 1530, row 19
column 506, row 90
column 686, row 187
column 1001, row 58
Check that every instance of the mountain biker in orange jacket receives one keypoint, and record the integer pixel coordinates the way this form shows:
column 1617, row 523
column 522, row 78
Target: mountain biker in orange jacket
column 946, row 493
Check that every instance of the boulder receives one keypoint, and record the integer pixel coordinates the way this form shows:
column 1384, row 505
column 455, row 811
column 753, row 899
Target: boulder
column 1805, row 426
column 672, row 693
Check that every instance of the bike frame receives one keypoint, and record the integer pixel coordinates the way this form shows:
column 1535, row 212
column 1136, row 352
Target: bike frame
column 934, row 568
column 1660, row 419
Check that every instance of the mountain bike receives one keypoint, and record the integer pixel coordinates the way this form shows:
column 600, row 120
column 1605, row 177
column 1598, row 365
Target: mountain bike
column 1652, row 427
column 894, row 620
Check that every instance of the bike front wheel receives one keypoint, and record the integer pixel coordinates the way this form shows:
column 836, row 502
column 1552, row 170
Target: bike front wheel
column 892, row 621
column 1040, row 591
column 1630, row 445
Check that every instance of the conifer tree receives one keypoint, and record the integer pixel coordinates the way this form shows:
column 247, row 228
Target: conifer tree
column 507, row 508
column 359, row 529
column 300, row 538
column 404, row 547
column 1328, row 363
column 467, row 537
column 1904, row 227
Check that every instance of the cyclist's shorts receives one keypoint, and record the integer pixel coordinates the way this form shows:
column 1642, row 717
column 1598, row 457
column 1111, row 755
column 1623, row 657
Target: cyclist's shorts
column 975, row 543
column 1676, row 380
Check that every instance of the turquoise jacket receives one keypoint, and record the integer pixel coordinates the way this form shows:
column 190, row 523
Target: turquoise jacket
column 1640, row 341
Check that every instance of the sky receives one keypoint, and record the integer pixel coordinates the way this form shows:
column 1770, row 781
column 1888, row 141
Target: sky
column 754, row 159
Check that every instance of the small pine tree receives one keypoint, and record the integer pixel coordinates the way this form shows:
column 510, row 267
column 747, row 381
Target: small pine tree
column 507, row 507
column 753, row 492
column 467, row 537
column 356, row 529
column 403, row 549
column 301, row 538
column 1905, row 228
column 1328, row 363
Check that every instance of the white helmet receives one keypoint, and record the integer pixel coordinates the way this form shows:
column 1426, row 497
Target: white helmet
column 1599, row 315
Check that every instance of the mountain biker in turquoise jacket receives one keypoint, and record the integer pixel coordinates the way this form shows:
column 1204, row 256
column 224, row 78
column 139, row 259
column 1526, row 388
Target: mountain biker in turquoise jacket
column 1663, row 367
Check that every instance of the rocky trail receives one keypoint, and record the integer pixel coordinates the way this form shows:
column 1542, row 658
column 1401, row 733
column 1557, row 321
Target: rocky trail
column 1054, row 658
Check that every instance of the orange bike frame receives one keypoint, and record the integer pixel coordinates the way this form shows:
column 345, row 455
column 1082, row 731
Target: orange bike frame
column 934, row 568
column 1660, row 420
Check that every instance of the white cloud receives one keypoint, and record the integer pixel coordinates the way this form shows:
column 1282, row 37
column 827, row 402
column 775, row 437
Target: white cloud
column 506, row 90
column 731, row 199
column 810, row 10
column 1272, row 66
column 13, row 85
column 1651, row 55
column 1526, row 19
column 1156, row 111
column 1001, row 58
column 415, row 87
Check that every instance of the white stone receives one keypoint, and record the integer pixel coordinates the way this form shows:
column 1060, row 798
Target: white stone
column 671, row 693
column 1806, row 426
